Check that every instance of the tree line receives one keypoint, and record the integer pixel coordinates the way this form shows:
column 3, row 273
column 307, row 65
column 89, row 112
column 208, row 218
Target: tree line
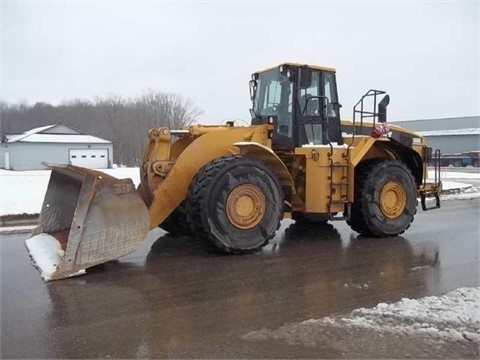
column 124, row 121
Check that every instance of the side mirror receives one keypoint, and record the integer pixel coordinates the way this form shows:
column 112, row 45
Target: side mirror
column 304, row 77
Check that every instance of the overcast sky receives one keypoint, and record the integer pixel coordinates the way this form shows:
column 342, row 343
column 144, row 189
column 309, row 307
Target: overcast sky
column 425, row 54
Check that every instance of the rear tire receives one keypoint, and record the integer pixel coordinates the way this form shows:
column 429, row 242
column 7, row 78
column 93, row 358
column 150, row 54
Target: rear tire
column 236, row 203
column 385, row 198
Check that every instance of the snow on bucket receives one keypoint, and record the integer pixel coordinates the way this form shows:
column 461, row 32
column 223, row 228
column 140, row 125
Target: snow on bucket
column 87, row 218
column 47, row 253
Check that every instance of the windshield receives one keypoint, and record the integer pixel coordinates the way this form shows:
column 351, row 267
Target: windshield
column 273, row 94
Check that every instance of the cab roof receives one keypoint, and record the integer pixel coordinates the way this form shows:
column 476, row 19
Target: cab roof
column 314, row 67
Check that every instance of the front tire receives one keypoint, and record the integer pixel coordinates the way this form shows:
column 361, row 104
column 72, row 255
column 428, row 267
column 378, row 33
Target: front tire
column 385, row 198
column 176, row 222
column 236, row 203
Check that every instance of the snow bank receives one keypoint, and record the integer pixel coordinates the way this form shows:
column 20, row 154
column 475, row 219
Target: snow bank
column 450, row 185
column 454, row 175
column 454, row 316
column 7, row 230
column 23, row 191
column 462, row 194
column 46, row 253
column 458, row 191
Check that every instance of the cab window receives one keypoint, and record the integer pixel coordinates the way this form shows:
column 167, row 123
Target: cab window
column 330, row 93
column 310, row 106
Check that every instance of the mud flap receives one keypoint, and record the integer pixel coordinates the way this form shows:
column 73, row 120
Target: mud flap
column 87, row 218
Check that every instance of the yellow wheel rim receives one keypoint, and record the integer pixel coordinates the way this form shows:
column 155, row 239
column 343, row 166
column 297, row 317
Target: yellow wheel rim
column 393, row 199
column 245, row 206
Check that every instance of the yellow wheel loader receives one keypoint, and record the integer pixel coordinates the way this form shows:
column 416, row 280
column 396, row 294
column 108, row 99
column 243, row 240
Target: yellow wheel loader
column 232, row 185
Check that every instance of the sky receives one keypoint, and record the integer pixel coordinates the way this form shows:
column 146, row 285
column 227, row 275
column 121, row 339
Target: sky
column 424, row 54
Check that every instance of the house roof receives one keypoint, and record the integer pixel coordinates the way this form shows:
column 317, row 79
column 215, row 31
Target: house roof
column 468, row 131
column 456, row 123
column 60, row 138
column 37, row 135
column 18, row 137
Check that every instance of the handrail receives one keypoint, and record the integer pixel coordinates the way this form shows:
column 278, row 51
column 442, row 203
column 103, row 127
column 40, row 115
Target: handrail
column 364, row 114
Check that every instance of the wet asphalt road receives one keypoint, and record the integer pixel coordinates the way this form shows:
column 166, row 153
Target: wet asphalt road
column 174, row 299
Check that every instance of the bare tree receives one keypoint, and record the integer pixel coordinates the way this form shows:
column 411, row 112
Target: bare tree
column 125, row 122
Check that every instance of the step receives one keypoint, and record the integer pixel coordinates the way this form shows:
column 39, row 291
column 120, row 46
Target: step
column 339, row 202
column 340, row 183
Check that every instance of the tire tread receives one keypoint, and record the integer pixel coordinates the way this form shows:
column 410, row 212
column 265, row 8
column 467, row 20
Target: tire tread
column 358, row 218
column 199, row 192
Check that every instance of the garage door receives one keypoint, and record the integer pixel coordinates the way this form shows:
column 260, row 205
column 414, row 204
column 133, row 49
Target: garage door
column 89, row 158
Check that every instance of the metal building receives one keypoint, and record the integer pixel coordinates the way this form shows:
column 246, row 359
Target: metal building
column 57, row 144
column 450, row 135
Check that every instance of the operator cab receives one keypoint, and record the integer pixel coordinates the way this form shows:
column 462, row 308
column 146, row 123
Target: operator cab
column 302, row 103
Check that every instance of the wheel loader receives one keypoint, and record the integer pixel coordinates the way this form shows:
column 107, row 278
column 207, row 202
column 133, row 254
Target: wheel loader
column 232, row 185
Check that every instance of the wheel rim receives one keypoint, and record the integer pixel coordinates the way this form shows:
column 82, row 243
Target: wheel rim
column 393, row 199
column 245, row 206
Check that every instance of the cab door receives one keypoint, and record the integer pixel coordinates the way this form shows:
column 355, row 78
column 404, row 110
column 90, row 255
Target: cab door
column 317, row 115
column 333, row 132
column 309, row 119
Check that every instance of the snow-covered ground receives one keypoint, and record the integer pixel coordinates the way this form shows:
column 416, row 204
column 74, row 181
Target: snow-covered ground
column 23, row 191
column 454, row 316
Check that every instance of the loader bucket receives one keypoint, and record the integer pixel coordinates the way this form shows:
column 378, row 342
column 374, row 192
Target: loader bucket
column 87, row 218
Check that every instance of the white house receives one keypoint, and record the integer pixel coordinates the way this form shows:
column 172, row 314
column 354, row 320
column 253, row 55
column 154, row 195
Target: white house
column 55, row 144
column 450, row 135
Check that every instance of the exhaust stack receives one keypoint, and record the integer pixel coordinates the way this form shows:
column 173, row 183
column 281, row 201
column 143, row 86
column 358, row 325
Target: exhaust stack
column 382, row 109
